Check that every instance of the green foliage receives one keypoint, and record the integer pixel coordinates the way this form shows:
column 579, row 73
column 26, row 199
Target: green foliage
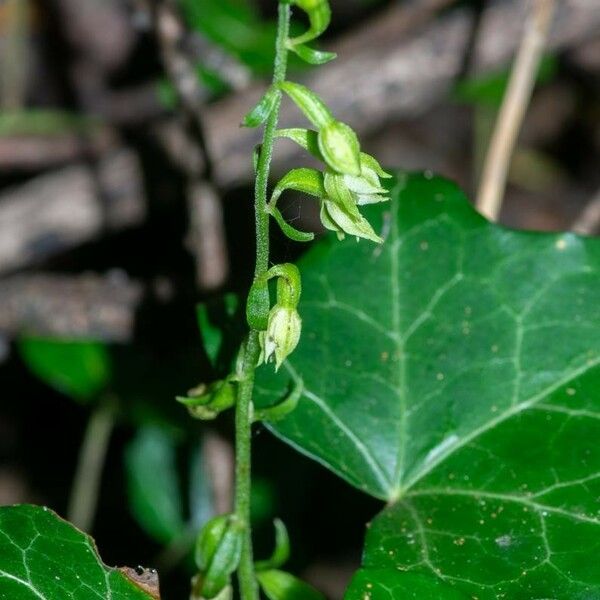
column 151, row 458
column 454, row 374
column 235, row 26
column 46, row 123
column 391, row 584
column 79, row 369
column 43, row 557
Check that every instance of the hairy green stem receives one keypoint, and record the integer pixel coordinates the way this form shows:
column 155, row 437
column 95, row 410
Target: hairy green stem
column 243, row 416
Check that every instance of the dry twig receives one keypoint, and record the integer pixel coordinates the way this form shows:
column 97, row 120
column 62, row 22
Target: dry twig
column 514, row 107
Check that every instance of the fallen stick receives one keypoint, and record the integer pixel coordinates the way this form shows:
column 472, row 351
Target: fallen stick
column 66, row 306
column 63, row 209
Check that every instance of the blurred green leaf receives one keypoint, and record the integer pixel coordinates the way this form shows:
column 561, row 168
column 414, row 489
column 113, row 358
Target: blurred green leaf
column 152, row 483
column 43, row 557
column 212, row 319
column 79, row 369
column 45, row 122
column 489, row 89
column 236, row 27
column 263, row 499
column 200, row 494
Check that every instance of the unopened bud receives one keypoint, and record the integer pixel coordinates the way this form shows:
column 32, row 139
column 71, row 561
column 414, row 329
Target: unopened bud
column 217, row 554
column 340, row 147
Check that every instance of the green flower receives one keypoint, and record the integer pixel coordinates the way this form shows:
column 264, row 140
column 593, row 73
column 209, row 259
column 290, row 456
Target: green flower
column 282, row 334
column 346, row 220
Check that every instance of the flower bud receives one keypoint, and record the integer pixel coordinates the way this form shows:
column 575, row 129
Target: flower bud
column 217, row 554
column 282, row 335
column 340, row 147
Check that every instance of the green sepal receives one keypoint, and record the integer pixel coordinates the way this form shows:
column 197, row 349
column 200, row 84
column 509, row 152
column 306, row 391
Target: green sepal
column 311, row 55
column 279, row 585
column 346, row 220
column 319, row 17
column 338, row 191
column 281, row 552
column 340, row 147
column 370, row 162
column 260, row 113
column 304, row 179
column 289, row 231
column 217, row 553
column 283, row 408
column 348, row 190
column 305, row 138
column 207, row 402
column 257, row 306
column 309, row 103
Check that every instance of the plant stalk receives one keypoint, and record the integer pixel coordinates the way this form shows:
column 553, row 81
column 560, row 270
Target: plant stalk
column 92, row 455
column 243, row 415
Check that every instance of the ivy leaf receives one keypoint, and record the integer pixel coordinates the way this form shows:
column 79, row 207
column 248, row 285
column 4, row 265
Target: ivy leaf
column 43, row 557
column 80, row 369
column 455, row 373
column 391, row 584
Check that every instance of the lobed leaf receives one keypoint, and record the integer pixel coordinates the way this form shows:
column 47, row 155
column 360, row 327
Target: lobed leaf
column 455, row 373
column 43, row 557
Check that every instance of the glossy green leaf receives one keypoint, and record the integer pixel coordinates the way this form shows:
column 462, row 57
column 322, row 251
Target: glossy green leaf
column 455, row 373
column 43, row 557
column 391, row 584
column 150, row 458
column 279, row 585
column 80, row 369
